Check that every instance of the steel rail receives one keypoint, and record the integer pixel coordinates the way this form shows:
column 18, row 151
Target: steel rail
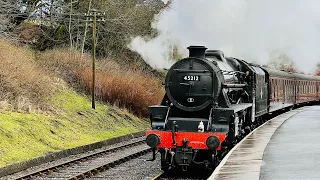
column 158, row 176
column 57, row 167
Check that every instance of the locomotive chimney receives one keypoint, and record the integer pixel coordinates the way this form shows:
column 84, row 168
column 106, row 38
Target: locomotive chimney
column 197, row 51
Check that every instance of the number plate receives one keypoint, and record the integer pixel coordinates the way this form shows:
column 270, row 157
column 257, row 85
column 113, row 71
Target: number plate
column 191, row 78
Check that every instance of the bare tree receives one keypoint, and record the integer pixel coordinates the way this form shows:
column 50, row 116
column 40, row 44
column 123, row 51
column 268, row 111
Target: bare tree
column 281, row 61
column 63, row 22
column 9, row 16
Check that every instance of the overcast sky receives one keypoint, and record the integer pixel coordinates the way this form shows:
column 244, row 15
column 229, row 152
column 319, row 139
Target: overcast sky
column 248, row 29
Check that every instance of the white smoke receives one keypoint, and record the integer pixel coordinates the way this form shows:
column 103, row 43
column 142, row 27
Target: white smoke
column 247, row 29
column 153, row 51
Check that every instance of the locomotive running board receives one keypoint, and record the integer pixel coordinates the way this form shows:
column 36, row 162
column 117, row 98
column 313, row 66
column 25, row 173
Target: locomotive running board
column 239, row 107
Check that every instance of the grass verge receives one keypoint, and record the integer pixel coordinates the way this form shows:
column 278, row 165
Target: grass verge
column 24, row 136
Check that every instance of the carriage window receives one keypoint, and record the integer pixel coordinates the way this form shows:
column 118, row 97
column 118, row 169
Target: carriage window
column 306, row 87
column 309, row 88
column 312, row 87
column 300, row 85
column 280, row 87
column 273, row 89
column 277, row 88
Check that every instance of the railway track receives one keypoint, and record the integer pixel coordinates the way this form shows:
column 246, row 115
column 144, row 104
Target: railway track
column 89, row 165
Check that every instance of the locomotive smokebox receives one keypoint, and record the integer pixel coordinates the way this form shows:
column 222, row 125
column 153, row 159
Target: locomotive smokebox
column 197, row 51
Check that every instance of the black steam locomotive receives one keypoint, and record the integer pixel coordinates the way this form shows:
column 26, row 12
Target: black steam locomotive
column 212, row 101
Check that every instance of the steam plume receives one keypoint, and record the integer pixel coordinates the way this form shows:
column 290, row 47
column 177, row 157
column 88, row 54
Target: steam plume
column 247, row 29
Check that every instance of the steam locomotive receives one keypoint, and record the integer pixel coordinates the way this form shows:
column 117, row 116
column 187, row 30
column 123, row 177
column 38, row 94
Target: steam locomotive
column 212, row 101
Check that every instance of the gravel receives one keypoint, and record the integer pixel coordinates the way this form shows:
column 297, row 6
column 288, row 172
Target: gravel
column 135, row 169
column 84, row 166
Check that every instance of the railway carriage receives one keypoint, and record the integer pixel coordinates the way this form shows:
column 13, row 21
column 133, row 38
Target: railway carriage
column 212, row 101
column 281, row 89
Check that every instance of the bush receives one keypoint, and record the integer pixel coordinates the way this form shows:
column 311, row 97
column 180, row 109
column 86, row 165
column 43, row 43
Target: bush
column 23, row 86
column 131, row 90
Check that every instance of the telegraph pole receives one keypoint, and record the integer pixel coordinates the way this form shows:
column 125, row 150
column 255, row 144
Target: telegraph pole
column 94, row 43
column 94, row 31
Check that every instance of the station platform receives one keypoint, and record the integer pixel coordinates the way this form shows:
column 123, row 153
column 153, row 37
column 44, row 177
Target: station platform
column 286, row 147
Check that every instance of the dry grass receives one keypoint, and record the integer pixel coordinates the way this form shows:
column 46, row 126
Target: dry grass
column 131, row 90
column 23, row 85
column 121, row 86
column 64, row 63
